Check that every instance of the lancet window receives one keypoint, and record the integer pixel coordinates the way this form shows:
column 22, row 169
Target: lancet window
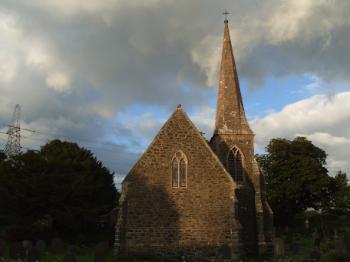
column 235, row 164
column 179, row 170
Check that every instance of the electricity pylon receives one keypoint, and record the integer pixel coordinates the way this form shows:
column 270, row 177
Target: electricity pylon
column 13, row 145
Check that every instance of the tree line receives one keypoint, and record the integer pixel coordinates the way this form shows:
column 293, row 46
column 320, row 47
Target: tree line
column 61, row 190
column 297, row 180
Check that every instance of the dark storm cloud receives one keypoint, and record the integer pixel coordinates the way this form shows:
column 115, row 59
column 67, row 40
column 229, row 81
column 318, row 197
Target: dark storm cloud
column 73, row 65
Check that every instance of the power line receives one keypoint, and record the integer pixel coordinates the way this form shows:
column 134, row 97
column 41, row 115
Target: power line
column 95, row 145
column 57, row 135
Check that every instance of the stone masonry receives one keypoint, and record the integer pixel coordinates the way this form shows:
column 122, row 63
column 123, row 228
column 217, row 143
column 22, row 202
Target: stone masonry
column 211, row 215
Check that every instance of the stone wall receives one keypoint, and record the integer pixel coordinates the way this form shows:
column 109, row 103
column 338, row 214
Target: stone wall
column 253, row 211
column 161, row 220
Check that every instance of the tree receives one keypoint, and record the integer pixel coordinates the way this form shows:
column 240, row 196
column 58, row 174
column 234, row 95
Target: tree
column 296, row 178
column 61, row 189
column 2, row 156
column 340, row 201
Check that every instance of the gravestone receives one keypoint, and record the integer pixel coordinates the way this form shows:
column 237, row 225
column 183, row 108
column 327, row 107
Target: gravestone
column 294, row 248
column 70, row 257
column 339, row 245
column 317, row 241
column 73, row 249
column 290, row 234
column 27, row 244
column 33, row 255
column 2, row 248
column 315, row 255
column 347, row 239
column 100, row 252
column 224, row 252
column 57, row 246
column 41, row 246
column 279, row 250
column 16, row 250
column 82, row 251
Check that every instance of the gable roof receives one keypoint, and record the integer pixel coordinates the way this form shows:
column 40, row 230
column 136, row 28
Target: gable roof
column 176, row 116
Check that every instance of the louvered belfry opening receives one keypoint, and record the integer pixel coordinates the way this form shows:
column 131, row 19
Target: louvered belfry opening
column 235, row 164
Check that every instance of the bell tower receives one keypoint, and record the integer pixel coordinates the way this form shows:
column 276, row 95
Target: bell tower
column 232, row 131
column 233, row 143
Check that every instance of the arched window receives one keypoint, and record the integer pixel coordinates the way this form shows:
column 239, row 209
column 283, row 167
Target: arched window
column 179, row 170
column 174, row 173
column 235, row 164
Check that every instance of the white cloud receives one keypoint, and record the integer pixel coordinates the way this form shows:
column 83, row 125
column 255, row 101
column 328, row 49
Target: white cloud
column 17, row 46
column 321, row 119
column 42, row 60
column 58, row 81
column 8, row 69
column 204, row 120
column 285, row 38
column 207, row 55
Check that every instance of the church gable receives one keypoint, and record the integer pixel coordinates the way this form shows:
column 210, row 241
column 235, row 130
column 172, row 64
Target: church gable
column 178, row 134
column 178, row 193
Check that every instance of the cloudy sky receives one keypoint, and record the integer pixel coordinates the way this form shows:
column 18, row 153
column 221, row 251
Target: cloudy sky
column 108, row 73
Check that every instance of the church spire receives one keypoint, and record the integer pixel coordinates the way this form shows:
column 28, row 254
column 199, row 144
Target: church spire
column 230, row 115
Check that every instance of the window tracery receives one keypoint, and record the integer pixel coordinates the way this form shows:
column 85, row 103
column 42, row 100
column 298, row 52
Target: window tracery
column 235, row 164
column 179, row 170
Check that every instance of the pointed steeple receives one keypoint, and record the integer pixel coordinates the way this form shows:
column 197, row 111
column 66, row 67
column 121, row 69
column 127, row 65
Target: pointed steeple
column 230, row 115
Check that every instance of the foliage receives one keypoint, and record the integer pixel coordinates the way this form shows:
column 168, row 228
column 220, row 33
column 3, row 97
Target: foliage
column 340, row 202
column 60, row 190
column 2, row 156
column 296, row 178
column 335, row 256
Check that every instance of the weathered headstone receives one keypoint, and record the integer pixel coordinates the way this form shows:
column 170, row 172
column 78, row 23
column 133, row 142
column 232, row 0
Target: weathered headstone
column 315, row 255
column 224, row 252
column 41, row 246
column 339, row 245
column 2, row 248
column 73, row 249
column 33, row 255
column 317, row 241
column 347, row 239
column 16, row 250
column 290, row 234
column 294, row 247
column 70, row 257
column 100, row 252
column 57, row 246
column 27, row 244
column 279, row 250
column 81, row 251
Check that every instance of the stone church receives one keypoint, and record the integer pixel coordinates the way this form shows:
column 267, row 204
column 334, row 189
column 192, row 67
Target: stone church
column 187, row 196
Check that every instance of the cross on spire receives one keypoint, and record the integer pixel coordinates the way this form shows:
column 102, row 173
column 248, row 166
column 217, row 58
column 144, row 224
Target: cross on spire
column 226, row 13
